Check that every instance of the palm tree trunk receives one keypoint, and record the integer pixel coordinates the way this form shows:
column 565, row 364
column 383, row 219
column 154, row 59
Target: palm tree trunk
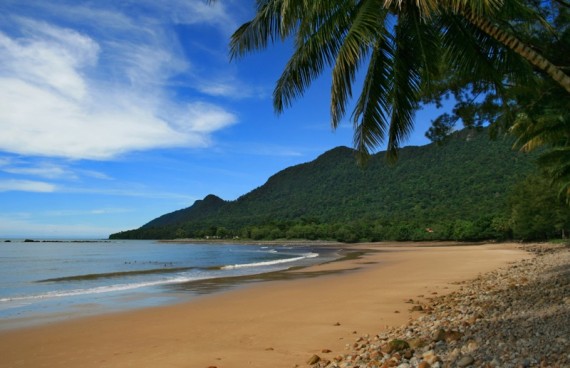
column 520, row 48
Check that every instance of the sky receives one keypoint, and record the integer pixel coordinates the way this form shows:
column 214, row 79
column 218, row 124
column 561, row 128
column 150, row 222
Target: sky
column 113, row 113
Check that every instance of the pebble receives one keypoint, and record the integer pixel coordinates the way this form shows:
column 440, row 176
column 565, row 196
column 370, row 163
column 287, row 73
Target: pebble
column 474, row 325
column 313, row 360
column 465, row 361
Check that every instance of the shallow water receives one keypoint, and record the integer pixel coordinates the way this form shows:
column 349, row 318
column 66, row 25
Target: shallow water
column 42, row 281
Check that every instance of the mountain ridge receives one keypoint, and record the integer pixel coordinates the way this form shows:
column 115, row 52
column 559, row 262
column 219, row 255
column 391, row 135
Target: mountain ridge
column 466, row 179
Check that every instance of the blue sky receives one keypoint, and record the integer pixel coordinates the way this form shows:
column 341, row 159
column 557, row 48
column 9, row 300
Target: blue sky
column 115, row 112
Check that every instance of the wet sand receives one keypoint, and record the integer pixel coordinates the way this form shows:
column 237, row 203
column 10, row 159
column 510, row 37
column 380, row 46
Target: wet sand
column 270, row 324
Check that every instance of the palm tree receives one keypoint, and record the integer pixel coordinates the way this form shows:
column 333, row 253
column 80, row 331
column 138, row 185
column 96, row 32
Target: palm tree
column 406, row 45
column 545, row 125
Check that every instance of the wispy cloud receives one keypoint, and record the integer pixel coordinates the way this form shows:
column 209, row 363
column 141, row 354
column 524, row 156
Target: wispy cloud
column 47, row 169
column 229, row 86
column 24, row 227
column 26, row 186
column 95, row 212
column 93, row 82
column 132, row 191
column 95, row 174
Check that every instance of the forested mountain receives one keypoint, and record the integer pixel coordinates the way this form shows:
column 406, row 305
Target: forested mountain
column 456, row 191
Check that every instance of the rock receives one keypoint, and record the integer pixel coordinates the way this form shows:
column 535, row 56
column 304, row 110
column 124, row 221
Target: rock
column 452, row 336
column 416, row 343
column 471, row 347
column 269, row 349
column 465, row 361
column 430, row 357
column 447, row 336
column 326, row 351
column 417, row 308
column 337, row 324
column 470, row 327
column 314, row 359
column 439, row 335
column 376, row 355
column 397, row 345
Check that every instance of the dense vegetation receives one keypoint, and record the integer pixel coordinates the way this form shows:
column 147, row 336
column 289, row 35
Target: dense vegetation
column 506, row 65
column 459, row 191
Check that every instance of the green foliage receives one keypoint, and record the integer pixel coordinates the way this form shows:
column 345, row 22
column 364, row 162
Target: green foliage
column 530, row 105
column 407, row 49
column 537, row 211
column 458, row 191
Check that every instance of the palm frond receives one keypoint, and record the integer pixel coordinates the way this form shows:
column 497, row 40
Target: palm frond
column 312, row 54
column 274, row 20
column 549, row 129
column 407, row 80
column 361, row 36
column 370, row 115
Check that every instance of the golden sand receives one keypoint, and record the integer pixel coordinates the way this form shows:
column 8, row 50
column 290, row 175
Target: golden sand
column 270, row 324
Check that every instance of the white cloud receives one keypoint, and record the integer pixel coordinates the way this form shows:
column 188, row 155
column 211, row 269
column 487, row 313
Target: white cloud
column 26, row 186
column 48, row 171
column 206, row 118
column 194, row 12
column 95, row 174
column 228, row 86
column 97, row 212
column 21, row 227
column 101, row 92
column 132, row 192
column 49, row 57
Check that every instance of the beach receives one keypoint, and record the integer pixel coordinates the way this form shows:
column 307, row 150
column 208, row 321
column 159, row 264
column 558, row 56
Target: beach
column 269, row 324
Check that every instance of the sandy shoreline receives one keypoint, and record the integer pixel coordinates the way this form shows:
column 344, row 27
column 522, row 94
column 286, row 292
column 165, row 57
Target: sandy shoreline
column 271, row 324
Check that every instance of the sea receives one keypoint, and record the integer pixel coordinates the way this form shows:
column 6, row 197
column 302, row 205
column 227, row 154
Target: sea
column 50, row 280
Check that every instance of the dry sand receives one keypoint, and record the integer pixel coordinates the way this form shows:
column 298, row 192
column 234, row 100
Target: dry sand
column 271, row 324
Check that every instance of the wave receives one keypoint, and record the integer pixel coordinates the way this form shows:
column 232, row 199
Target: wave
column 99, row 289
column 95, row 276
column 270, row 263
column 136, row 285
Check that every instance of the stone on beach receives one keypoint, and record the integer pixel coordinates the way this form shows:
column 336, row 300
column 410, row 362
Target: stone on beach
column 517, row 316
column 313, row 360
column 465, row 361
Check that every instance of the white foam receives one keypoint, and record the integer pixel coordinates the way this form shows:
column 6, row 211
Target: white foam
column 98, row 290
column 270, row 263
column 27, row 299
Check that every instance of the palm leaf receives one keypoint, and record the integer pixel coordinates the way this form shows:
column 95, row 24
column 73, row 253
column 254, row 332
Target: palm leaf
column 313, row 52
column 407, row 79
column 361, row 36
column 274, row 20
column 370, row 116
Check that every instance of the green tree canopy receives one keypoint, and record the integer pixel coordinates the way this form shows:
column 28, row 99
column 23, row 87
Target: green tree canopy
column 407, row 46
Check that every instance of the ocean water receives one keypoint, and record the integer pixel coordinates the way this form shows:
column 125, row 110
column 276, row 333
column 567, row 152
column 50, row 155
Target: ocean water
column 46, row 281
